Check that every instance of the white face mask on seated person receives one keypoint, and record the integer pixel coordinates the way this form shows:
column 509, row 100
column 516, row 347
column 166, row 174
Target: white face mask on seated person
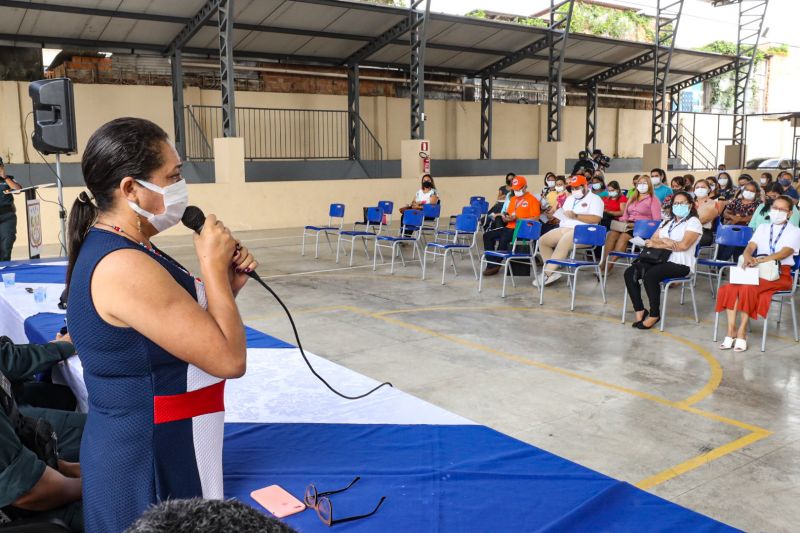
column 597, row 186
column 612, row 193
column 560, row 188
column 519, row 193
column 642, row 188
column 579, row 193
column 655, row 180
column 778, row 217
column 551, row 183
column 748, row 195
column 723, row 182
column 701, row 192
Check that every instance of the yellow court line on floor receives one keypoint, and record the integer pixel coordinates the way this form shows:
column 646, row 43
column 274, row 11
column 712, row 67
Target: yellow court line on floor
column 756, row 433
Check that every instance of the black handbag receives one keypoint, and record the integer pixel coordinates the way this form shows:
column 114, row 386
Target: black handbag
column 654, row 256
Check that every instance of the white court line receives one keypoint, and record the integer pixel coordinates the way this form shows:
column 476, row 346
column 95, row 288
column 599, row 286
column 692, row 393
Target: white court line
column 335, row 270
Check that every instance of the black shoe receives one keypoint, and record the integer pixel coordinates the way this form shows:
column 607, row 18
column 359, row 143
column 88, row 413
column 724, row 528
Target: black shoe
column 642, row 326
column 491, row 271
column 639, row 322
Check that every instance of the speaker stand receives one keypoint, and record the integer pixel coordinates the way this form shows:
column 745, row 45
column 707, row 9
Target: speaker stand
column 62, row 214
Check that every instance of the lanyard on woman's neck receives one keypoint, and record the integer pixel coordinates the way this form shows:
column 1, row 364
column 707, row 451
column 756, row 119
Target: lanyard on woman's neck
column 774, row 244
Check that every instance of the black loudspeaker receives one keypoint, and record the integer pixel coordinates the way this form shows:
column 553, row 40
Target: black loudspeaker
column 54, row 116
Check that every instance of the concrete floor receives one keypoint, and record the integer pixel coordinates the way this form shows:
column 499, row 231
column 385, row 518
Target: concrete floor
column 714, row 431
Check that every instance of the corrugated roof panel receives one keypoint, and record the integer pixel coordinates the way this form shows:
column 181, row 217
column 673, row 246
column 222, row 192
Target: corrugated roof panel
column 468, row 61
column 321, row 46
column 266, row 42
column 301, row 15
column 184, row 8
column 367, row 23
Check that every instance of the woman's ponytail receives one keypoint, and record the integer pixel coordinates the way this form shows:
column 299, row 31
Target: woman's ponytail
column 81, row 217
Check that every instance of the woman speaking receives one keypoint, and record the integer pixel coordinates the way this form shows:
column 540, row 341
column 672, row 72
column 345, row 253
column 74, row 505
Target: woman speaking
column 156, row 343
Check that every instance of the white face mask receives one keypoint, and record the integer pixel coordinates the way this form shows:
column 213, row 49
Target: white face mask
column 712, row 186
column 551, row 183
column 701, row 192
column 778, row 217
column 642, row 188
column 655, row 181
column 748, row 195
column 763, row 181
column 176, row 198
column 723, row 182
column 597, row 186
column 519, row 193
column 578, row 193
column 559, row 188
column 613, row 194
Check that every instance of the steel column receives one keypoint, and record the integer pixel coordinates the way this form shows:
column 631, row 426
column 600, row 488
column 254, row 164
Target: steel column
column 177, row 103
column 560, row 18
column 353, row 112
column 487, row 86
column 667, row 21
column 591, row 116
column 751, row 20
column 418, row 24
column 226, row 73
column 673, row 122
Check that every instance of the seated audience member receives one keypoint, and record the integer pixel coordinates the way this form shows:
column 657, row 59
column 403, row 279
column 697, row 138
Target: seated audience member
column 427, row 194
column 549, row 184
column 613, row 203
column 39, row 473
column 207, row 516
column 785, row 179
column 522, row 206
column 739, row 212
column 677, row 184
column 658, row 177
column 726, row 189
column 582, row 207
column 680, row 234
column 642, row 205
column 493, row 218
column 762, row 216
column 721, row 167
column 713, row 188
column 777, row 241
column 708, row 209
column 559, row 194
column 688, row 182
column 634, row 181
column 765, row 179
column 743, row 179
column 598, row 185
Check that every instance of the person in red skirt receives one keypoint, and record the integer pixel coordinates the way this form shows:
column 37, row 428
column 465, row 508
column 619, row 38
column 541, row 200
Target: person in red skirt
column 779, row 240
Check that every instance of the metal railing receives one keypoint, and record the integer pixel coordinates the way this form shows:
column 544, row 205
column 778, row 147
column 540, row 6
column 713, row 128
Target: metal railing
column 694, row 153
column 285, row 134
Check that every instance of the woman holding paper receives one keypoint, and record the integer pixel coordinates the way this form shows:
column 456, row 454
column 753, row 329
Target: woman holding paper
column 777, row 241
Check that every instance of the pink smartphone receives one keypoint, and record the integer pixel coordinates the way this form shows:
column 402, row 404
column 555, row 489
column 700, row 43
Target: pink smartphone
column 277, row 501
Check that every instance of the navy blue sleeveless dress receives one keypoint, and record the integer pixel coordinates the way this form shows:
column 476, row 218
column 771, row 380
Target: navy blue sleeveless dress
column 155, row 422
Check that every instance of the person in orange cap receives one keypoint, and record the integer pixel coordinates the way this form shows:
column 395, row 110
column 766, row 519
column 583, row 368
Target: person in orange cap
column 523, row 205
column 582, row 207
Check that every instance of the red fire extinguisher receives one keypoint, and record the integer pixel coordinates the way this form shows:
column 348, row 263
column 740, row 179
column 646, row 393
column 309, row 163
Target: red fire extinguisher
column 426, row 164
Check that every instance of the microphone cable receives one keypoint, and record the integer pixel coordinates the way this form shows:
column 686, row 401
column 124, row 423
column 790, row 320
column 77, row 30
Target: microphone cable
column 261, row 282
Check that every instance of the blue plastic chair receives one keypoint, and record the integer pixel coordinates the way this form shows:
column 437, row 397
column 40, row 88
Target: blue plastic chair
column 665, row 286
column 477, row 199
column 374, row 225
column 778, row 297
column 387, row 207
column 591, row 235
column 483, row 209
column 727, row 235
column 466, row 229
column 529, row 231
column 431, row 214
column 336, row 211
column 643, row 229
column 412, row 223
column 445, row 235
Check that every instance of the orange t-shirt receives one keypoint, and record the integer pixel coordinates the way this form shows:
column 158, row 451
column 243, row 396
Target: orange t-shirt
column 525, row 206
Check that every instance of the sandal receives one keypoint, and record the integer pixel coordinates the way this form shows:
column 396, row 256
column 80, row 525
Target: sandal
column 638, row 323
column 727, row 343
column 740, row 345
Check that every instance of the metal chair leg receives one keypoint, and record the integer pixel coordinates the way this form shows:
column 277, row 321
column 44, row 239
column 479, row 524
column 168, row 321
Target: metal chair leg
column 328, row 238
column 338, row 245
column 764, row 333
column 694, row 303
column 472, row 262
column 352, row 249
column 780, row 310
column 424, row 260
column 624, row 302
column 541, row 285
column 303, row 246
column 444, row 264
column 794, row 318
column 505, row 276
column 602, row 284
column 574, row 287
column 664, row 307
column 375, row 257
column 480, row 276
column 716, row 326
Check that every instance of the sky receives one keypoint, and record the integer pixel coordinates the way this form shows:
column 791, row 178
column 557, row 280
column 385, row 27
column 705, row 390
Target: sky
column 700, row 24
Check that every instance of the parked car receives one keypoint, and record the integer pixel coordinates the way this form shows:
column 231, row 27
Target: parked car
column 782, row 163
column 753, row 163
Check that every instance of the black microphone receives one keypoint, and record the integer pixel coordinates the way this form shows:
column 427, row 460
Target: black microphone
column 194, row 219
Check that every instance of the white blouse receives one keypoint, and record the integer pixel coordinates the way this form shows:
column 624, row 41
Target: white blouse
column 771, row 238
column 675, row 231
column 423, row 197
